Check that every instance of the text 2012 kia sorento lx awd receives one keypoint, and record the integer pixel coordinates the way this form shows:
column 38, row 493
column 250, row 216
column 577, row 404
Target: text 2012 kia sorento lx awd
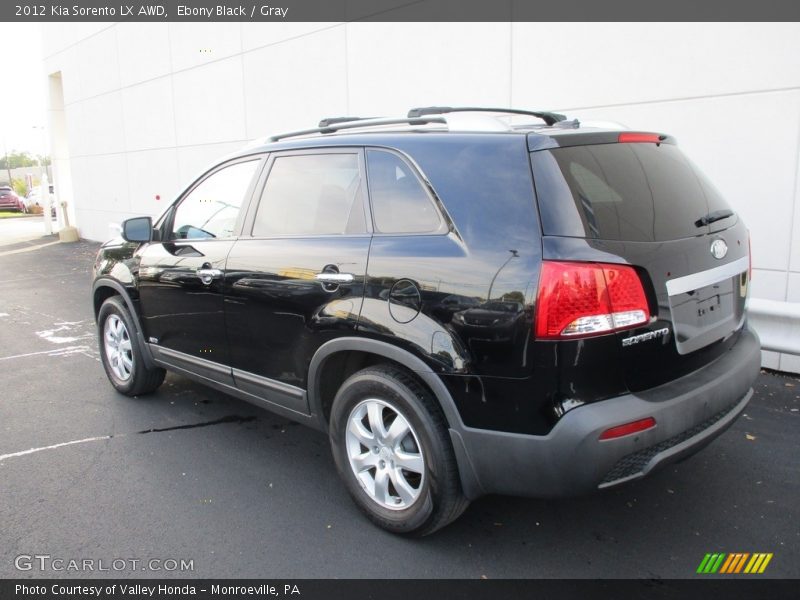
column 467, row 304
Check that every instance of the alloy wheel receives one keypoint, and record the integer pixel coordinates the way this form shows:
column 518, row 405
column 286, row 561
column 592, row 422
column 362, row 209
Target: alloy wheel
column 385, row 454
column 119, row 352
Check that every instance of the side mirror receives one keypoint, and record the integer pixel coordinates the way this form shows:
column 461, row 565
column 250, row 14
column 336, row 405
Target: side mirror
column 138, row 229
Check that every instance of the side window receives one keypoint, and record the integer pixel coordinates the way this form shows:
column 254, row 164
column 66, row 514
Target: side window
column 314, row 194
column 210, row 209
column 399, row 202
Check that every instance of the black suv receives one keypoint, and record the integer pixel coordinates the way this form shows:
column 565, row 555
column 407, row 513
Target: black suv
column 468, row 301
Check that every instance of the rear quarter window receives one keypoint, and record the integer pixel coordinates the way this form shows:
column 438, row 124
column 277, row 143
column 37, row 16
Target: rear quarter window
column 399, row 202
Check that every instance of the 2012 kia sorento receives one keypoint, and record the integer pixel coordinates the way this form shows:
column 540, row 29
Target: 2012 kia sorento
column 465, row 303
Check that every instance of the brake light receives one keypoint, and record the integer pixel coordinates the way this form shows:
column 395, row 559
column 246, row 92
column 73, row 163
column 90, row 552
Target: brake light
column 628, row 428
column 632, row 138
column 585, row 299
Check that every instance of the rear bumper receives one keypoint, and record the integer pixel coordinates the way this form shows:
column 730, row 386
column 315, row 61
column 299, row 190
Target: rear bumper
column 689, row 412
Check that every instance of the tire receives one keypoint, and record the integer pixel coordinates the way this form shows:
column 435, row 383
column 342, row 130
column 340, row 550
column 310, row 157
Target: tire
column 121, row 353
column 397, row 499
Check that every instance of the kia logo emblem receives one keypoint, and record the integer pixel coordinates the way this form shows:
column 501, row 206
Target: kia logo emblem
column 719, row 249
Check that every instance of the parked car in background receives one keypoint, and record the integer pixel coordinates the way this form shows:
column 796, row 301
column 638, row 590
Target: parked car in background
column 10, row 201
column 34, row 199
column 464, row 306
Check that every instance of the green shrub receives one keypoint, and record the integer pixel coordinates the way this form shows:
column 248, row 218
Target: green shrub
column 20, row 187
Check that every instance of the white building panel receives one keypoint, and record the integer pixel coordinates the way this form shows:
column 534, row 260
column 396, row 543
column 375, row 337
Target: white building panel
column 209, row 103
column 597, row 64
column 258, row 35
column 98, row 64
column 393, row 67
column 152, row 180
column 293, row 84
column 57, row 37
column 98, row 128
column 144, row 51
column 149, row 115
column 100, row 184
column 194, row 44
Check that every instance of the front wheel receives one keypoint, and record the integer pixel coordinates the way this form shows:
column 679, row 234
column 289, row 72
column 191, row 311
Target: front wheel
column 121, row 352
column 391, row 447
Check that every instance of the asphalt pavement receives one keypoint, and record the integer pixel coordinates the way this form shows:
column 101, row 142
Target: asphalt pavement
column 191, row 474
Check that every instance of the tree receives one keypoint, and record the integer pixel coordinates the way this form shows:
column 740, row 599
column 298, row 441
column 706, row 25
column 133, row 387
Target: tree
column 514, row 296
column 22, row 159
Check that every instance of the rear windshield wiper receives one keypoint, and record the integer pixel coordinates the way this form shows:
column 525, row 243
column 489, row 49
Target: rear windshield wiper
column 713, row 217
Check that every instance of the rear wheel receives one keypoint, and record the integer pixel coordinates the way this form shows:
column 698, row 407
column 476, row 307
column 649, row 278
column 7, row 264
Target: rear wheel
column 121, row 352
column 391, row 447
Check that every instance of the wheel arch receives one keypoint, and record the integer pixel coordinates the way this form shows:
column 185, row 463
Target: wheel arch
column 103, row 289
column 381, row 352
column 376, row 351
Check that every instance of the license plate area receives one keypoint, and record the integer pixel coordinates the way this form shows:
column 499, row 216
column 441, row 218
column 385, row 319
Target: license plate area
column 710, row 309
column 707, row 313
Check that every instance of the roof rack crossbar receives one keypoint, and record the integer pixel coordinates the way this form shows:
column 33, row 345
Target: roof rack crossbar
column 358, row 123
column 550, row 118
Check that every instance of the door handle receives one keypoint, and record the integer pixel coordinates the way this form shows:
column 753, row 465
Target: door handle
column 208, row 275
column 334, row 277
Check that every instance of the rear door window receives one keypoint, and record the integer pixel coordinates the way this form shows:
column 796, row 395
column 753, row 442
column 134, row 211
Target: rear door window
column 632, row 192
column 312, row 194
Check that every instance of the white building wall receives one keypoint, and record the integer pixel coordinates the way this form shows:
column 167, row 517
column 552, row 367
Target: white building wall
column 148, row 105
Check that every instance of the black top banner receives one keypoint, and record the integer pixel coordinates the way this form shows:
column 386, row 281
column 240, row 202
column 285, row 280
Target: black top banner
column 400, row 10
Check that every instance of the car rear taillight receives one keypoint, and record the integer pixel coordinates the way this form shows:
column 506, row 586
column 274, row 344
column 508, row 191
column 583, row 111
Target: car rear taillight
column 585, row 299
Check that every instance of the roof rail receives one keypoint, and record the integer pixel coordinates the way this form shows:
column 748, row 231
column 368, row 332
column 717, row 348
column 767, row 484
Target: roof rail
column 328, row 121
column 550, row 118
column 355, row 123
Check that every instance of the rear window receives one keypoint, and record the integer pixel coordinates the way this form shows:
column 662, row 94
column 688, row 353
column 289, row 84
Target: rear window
column 632, row 192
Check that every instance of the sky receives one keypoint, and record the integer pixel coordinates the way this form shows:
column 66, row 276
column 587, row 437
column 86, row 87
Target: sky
column 23, row 101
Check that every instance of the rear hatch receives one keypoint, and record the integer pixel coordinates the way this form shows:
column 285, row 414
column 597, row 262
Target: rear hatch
column 635, row 199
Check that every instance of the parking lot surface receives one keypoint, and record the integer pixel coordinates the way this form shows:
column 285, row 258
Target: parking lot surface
column 19, row 229
column 190, row 474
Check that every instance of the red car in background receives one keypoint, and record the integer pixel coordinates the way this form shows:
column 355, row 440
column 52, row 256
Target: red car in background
column 10, row 201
